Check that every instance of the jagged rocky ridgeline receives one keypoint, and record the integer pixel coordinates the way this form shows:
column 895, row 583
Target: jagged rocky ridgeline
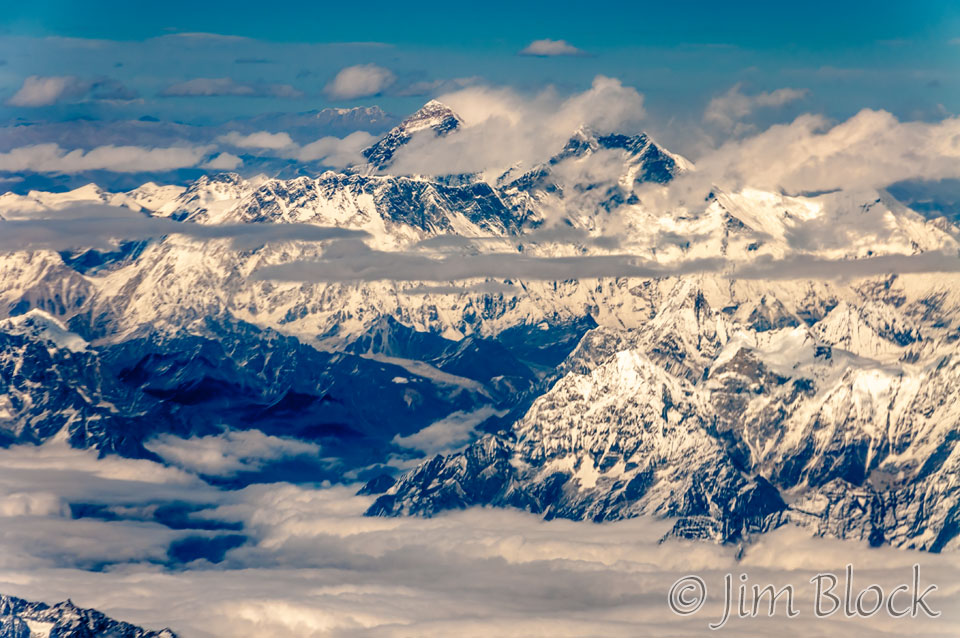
column 22, row 619
column 732, row 405
column 733, row 425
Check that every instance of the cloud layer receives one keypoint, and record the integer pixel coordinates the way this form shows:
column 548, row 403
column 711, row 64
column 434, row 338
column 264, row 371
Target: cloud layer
column 101, row 227
column 311, row 565
column 872, row 149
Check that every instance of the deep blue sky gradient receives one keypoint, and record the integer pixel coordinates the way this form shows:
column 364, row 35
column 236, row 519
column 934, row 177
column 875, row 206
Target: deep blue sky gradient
column 815, row 25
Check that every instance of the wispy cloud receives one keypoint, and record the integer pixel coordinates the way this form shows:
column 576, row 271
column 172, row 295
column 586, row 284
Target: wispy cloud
column 38, row 91
column 43, row 91
column 215, row 87
column 729, row 109
column 551, row 48
column 329, row 150
column 448, row 434
column 337, row 151
column 229, row 453
column 223, row 162
column 354, row 262
column 872, row 149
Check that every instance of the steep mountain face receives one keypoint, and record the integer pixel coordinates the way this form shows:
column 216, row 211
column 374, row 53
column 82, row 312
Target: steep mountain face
column 434, row 117
column 22, row 619
column 730, row 403
column 846, row 425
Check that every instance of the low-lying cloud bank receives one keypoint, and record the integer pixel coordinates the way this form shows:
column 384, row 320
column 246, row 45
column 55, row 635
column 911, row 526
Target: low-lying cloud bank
column 353, row 262
column 51, row 158
column 303, row 561
column 102, row 227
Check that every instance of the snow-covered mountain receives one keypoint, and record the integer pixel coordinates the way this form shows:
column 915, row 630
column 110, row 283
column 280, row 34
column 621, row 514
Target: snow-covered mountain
column 734, row 397
column 22, row 619
column 433, row 118
column 733, row 425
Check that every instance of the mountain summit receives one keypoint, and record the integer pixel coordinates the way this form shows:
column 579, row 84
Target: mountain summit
column 433, row 116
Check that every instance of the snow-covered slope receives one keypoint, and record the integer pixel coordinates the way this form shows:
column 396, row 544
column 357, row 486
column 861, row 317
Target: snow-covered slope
column 847, row 426
column 734, row 403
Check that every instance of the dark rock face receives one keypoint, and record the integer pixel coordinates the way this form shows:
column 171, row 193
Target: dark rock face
column 65, row 620
column 115, row 397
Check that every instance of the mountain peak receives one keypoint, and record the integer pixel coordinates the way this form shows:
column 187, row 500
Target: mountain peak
column 434, row 116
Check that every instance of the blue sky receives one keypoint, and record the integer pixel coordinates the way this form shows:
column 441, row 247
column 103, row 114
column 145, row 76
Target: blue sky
column 816, row 25
column 850, row 55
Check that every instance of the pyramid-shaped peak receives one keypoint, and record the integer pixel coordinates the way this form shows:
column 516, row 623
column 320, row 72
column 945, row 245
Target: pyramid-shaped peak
column 434, row 114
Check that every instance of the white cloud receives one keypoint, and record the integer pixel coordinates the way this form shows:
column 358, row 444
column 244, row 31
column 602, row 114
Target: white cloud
column 330, row 151
column 729, row 109
column 335, row 151
column 550, row 48
column 214, row 87
column 449, row 433
column 315, row 567
column 870, row 150
column 51, row 158
column 362, row 80
column 260, row 139
column 46, row 90
column 32, row 504
column 223, row 162
column 354, row 263
column 228, row 453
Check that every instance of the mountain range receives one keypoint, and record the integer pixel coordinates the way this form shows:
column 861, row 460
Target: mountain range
column 727, row 390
